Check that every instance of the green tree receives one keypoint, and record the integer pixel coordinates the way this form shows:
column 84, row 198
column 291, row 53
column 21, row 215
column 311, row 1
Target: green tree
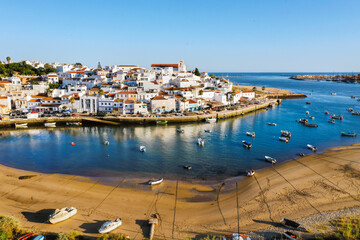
column 78, row 64
column 212, row 75
column 101, row 92
column 201, row 92
column 263, row 88
column 197, row 72
column 254, row 88
column 8, row 59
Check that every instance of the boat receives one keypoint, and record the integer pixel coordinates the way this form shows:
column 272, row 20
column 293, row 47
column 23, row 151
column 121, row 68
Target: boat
column 312, row 117
column 106, row 143
column 236, row 236
column 292, row 224
column 142, row 149
column 356, row 113
column 21, row 125
column 180, row 130
column 348, row 134
column 307, row 112
column 326, row 113
column 350, row 109
column 250, row 173
column 161, row 122
column 271, row 124
column 210, row 120
column 301, row 154
column 290, row 235
column 312, row 125
column 27, row 236
column 338, row 117
column 286, row 134
column 154, row 182
column 308, row 102
column 250, row 134
column 50, row 124
column 62, row 214
column 200, row 142
column 284, row 139
column 333, row 93
column 207, row 130
column 73, row 123
column 311, row 147
column 187, row 167
column 270, row 159
column 246, row 144
column 110, row 225
column 38, row 237
column 352, row 96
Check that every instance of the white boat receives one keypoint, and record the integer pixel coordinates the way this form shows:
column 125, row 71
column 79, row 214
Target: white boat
column 284, row 139
column 210, row 120
column 142, row 149
column 52, row 124
column 250, row 134
column 62, row 214
column 311, row 147
column 154, row 182
column 200, row 142
column 110, row 225
column 333, row 93
column 73, row 123
column 270, row 159
column 307, row 112
column 246, row 144
column 180, row 130
column 106, row 142
column 236, row 236
column 289, row 235
column 285, row 133
column 312, row 117
column 21, row 125
column 331, row 120
column 250, row 173
column 272, row 124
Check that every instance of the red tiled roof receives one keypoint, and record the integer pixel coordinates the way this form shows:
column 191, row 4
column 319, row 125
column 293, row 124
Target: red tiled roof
column 34, row 100
column 247, row 91
column 158, row 98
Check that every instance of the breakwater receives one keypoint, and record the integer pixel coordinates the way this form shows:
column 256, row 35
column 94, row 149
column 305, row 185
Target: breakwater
column 35, row 122
column 287, row 96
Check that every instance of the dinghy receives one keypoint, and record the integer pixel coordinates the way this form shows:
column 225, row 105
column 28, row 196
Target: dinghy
column 292, row 224
column 110, row 225
column 284, row 139
column 312, row 125
column 250, row 134
column 21, row 125
column 236, row 236
column 289, row 235
column 285, row 133
column 142, row 149
column 38, row 237
column 311, row 147
column 250, row 173
column 154, row 182
column 180, row 130
column 50, row 124
column 246, row 144
column 271, row 124
column 106, row 142
column 331, row 120
column 348, row 134
column 62, row 214
column 270, row 159
column 207, row 130
column 210, row 120
column 187, row 167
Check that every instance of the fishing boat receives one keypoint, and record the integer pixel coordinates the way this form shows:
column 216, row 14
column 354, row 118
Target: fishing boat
column 290, row 235
column 284, row 139
column 308, row 102
column 338, row 117
column 292, row 224
column 50, row 124
column 303, row 120
column 250, row 134
column 285, row 133
column 250, row 173
column 236, row 236
column 154, row 182
column 200, row 142
column 246, row 144
column 333, row 93
column 207, row 130
column 180, row 130
column 326, row 113
column 210, row 120
column 331, row 120
column 62, row 214
column 356, row 113
column 161, row 122
column 270, row 159
column 348, row 134
column 110, row 225
column 271, row 124
column 311, row 125
column 311, row 147
column 142, row 149
column 187, row 167
column 21, row 125
column 106, row 142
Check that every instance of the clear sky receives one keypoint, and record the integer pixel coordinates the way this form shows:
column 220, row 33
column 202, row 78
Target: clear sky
column 239, row 35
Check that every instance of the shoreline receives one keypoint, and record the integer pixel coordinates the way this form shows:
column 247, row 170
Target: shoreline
column 297, row 188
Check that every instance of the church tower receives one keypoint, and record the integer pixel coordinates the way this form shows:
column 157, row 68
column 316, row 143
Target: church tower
column 182, row 66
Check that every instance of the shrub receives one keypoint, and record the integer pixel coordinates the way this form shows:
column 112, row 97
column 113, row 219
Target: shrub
column 72, row 235
column 5, row 236
column 9, row 225
column 113, row 236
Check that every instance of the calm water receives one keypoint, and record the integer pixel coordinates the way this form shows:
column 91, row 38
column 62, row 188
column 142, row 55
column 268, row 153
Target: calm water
column 222, row 156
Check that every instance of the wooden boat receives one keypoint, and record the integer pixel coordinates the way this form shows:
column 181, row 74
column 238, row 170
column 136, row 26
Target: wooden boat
column 331, row 120
column 290, row 235
column 348, row 134
column 303, row 120
column 292, row 224
column 246, row 144
column 311, row 125
column 270, row 159
column 236, row 236
column 110, row 225
column 250, row 134
column 154, row 182
column 308, row 102
column 187, row 167
column 21, row 125
column 50, row 124
column 161, row 122
column 62, row 214
column 285, row 133
column 284, row 139
column 142, row 149
column 271, row 124
column 356, row 113
column 180, row 130
column 210, row 120
column 250, row 173
column 200, row 142
column 311, row 147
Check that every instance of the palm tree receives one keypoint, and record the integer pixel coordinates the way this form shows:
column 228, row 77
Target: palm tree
column 8, row 59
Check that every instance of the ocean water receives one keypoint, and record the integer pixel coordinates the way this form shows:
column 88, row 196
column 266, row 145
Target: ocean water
column 50, row 150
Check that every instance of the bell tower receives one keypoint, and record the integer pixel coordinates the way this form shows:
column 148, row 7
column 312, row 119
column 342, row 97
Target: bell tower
column 182, row 66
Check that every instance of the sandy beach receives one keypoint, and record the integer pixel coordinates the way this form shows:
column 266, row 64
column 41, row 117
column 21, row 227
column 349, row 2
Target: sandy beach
column 299, row 188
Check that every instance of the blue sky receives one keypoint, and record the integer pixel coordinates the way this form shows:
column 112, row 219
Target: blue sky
column 243, row 36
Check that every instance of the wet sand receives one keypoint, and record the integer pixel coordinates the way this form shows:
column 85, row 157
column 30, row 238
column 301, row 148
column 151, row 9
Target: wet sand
column 295, row 189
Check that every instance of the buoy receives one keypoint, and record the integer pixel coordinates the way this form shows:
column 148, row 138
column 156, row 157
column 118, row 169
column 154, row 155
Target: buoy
column 72, row 143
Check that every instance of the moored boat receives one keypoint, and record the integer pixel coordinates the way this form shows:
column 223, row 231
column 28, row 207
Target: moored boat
column 356, row 113
column 308, row 102
column 271, row 124
column 73, row 123
column 348, row 134
column 110, row 225
column 21, row 125
column 154, row 182
column 210, row 120
column 292, row 224
column 246, row 144
column 312, row 117
column 307, row 112
column 284, row 139
column 326, row 113
column 352, row 96
column 187, row 167
column 290, row 235
column 270, row 159
column 285, row 133
column 207, row 130
column 50, row 124
column 250, row 173
column 312, row 125
column 250, row 134
column 179, row 130
column 338, row 117
column 303, row 120
column 38, row 237
column 200, row 142
column 142, row 149
column 333, row 93
column 311, row 147
column 161, row 122
column 106, row 142
column 62, row 214
column 350, row 109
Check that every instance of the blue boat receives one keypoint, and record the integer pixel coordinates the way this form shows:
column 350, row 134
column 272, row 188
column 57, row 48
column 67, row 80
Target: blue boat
column 38, row 237
column 247, row 144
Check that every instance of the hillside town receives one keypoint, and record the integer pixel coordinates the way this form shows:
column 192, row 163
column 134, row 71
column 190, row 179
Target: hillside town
column 116, row 90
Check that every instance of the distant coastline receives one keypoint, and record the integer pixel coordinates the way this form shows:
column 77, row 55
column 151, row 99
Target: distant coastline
column 334, row 78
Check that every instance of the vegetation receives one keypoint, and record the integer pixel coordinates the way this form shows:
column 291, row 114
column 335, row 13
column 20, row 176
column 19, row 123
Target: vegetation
column 101, row 92
column 254, row 88
column 347, row 228
column 113, row 236
column 263, row 88
column 10, row 69
column 8, row 59
column 212, row 75
column 201, row 92
column 78, row 64
column 9, row 228
column 53, row 85
column 72, row 235
column 197, row 72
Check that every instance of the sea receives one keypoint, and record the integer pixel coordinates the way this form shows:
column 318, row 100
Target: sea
column 222, row 156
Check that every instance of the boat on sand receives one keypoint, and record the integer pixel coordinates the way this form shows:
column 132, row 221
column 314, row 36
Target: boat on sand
column 292, row 224
column 62, row 214
column 270, row 159
column 154, row 182
column 110, row 225
column 250, row 173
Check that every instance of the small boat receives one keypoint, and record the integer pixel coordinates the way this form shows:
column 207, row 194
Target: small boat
column 272, row 124
column 308, row 102
column 50, row 124
column 154, row 182
column 250, row 134
column 350, row 109
column 303, row 120
column 284, row 139
column 21, row 125
column 326, row 113
column 187, row 167
column 307, row 112
column 250, row 173
column 246, row 144
column 290, row 235
column 352, row 96
column 356, row 113
column 27, row 236
column 161, row 122
column 312, row 117
column 106, row 143
column 286, row 134
column 73, row 123
column 333, row 93
column 331, row 120
column 301, row 154
column 338, row 117
column 110, row 225
column 62, row 214
column 142, row 149
column 311, row 147
column 292, row 224
column 207, row 130
column 200, row 142
column 236, row 236
column 348, row 134
column 312, row 125
column 270, row 159
column 38, row 237
column 358, row 99
column 210, row 120
column 180, row 130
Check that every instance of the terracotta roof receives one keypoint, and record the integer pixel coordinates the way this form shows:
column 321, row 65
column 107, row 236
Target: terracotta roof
column 159, row 98
column 118, row 100
column 3, row 97
column 165, row 65
column 192, row 101
column 2, row 106
column 5, row 81
column 51, row 99
column 247, row 91
column 34, row 100
column 129, row 101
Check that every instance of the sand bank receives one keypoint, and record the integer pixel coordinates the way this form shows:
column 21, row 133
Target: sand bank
column 295, row 189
